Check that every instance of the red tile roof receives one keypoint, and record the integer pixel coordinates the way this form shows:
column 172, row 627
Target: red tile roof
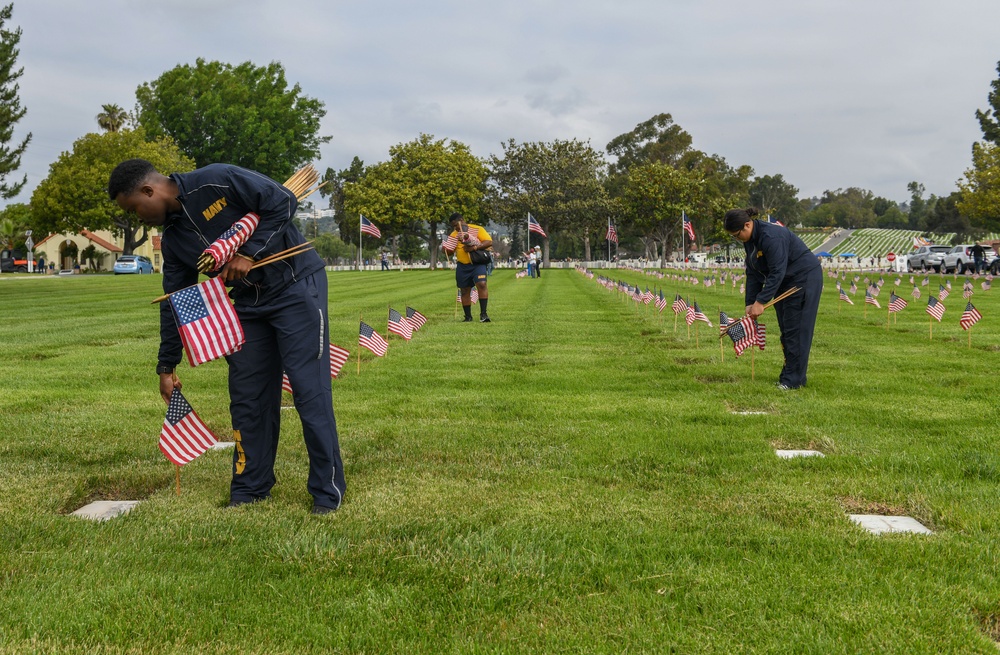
column 99, row 241
column 156, row 243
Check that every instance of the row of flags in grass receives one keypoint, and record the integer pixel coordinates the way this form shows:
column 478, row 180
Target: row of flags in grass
column 744, row 333
column 403, row 325
column 935, row 304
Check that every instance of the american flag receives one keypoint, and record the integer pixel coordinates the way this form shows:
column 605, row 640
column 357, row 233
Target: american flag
column 880, row 282
column 743, row 288
column 743, row 333
column 533, row 226
column 897, row 282
column 896, row 303
column 612, row 234
column 870, row 299
column 222, row 249
column 947, row 283
column 689, row 315
column 935, row 308
column 924, row 282
column 985, row 284
column 688, row 227
column 636, row 294
column 970, row 317
column 207, row 322
column 399, row 325
column 372, row 340
column 679, row 304
column 661, row 302
column 338, row 357
column 854, row 288
column 916, row 292
column 943, row 292
column 415, row 318
column 473, row 295
column 450, row 243
column 724, row 322
column 967, row 293
column 761, row 334
column 845, row 298
column 700, row 315
column 184, row 436
column 370, row 228
column 774, row 221
column 647, row 296
column 874, row 290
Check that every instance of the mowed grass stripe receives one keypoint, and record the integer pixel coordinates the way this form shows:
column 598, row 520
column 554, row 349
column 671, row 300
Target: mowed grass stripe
column 568, row 477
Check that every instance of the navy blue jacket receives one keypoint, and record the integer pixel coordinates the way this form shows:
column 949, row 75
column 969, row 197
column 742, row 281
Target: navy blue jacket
column 212, row 199
column 774, row 254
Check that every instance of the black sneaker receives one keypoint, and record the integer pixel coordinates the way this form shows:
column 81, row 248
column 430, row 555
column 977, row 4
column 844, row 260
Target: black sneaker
column 323, row 509
column 483, row 318
column 467, row 319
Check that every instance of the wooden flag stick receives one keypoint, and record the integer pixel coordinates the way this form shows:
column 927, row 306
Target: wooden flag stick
column 284, row 254
column 753, row 355
column 970, row 336
column 696, row 331
column 930, row 325
column 360, row 319
column 888, row 315
column 177, row 474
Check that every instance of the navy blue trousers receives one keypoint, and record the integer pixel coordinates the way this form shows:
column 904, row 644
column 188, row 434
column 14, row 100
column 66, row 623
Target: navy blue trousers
column 797, row 322
column 290, row 334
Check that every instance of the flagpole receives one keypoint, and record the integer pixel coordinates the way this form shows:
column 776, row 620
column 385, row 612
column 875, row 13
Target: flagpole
column 360, row 237
column 609, row 242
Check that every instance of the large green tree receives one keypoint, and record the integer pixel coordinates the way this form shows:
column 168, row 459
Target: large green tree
column 420, row 185
column 560, row 183
column 74, row 195
column 245, row 115
column 774, row 196
column 11, row 110
column 989, row 119
column 657, row 196
column 981, row 188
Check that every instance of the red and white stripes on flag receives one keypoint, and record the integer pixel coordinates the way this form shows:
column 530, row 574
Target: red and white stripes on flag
column 679, row 304
column 370, row 228
column 870, row 299
column 415, row 318
column 372, row 340
column 846, row 298
column 612, row 234
column 970, row 317
column 896, row 303
column 473, row 295
column 223, row 248
column 399, row 325
column 700, row 315
column 450, row 243
column 688, row 226
column 338, row 357
column 184, row 436
column 208, row 324
column 935, row 308
column 534, row 226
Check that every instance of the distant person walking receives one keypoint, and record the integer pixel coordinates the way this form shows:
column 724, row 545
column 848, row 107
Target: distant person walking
column 777, row 260
column 385, row 261
column 978, row 256
column 472, row 242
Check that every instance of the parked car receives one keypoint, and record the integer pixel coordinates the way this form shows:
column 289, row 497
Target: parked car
column 133, row 264
column 958, row 259
column 927, row 257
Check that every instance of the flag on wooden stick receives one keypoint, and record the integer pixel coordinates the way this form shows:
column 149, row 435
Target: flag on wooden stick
column 184, row 436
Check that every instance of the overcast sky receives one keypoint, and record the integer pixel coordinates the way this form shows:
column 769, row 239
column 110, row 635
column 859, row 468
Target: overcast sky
column 869, row 93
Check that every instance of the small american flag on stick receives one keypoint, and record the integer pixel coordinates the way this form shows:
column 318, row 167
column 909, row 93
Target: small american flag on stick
column 370, row 228
column 970, row 317
column 372, row 340
column 935, row 308
column 338, row 357
column 208, row 324
column 415, row 318
column 896, row 303
column 399, row 325
column 184, row 436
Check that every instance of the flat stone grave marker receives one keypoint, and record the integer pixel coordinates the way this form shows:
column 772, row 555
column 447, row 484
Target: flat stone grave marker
column 103, row 510
column 789, row 454
column 880, row 524
column 222, row 445
column 749, row 413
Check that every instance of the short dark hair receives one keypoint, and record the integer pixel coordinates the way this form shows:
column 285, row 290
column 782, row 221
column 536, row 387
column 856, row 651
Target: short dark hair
column 455, row 217
column 128, row 175
column 737, row 218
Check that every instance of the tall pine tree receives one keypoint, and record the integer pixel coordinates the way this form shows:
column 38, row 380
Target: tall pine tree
column 11, row 110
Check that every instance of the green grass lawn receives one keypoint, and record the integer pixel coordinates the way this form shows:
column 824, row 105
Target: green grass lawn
column 568, row 478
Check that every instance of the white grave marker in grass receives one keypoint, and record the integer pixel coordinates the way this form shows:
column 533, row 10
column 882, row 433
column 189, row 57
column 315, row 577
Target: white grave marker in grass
column 102, row 510
column 880, row 524
column 789, row 454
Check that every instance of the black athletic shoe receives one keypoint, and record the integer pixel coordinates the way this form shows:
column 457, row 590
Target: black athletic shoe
column 467, row 319
column 323, row 509
column 483, row 318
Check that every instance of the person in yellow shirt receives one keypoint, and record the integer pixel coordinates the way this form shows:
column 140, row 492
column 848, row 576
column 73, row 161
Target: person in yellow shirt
column 470, row 243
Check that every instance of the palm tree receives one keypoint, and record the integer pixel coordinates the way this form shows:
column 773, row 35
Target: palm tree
column 112, row 119
column 8, row 232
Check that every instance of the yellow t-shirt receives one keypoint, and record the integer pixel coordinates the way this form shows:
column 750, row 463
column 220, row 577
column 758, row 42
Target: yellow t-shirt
column 479, row 235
